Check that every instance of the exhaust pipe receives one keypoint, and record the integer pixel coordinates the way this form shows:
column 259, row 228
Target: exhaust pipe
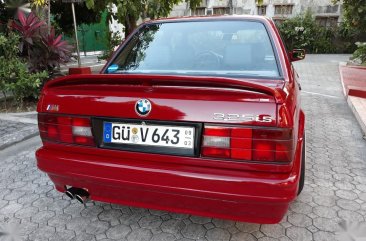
column 70, row 192
column 79, row 194
column 82, row 195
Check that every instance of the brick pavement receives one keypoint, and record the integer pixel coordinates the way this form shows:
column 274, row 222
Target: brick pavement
column 335, row 187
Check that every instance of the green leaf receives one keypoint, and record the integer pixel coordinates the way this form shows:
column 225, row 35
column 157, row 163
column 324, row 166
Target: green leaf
column 89, row 4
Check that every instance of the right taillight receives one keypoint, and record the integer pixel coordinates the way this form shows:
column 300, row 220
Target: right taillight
column 253, row 144
column 66, row 129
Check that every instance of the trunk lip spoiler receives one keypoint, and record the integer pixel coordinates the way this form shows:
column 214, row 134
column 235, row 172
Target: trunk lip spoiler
column 148, row 80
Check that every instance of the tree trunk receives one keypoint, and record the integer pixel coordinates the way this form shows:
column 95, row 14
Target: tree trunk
column 5, row 101
column 130, row 24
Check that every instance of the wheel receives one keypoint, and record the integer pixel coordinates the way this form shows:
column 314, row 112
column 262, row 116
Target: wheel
column 302, row 174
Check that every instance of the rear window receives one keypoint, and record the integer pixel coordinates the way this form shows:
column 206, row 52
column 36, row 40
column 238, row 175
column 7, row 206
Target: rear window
column 210, row 48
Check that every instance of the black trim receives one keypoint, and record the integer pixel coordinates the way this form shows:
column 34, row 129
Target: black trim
column 97, row 124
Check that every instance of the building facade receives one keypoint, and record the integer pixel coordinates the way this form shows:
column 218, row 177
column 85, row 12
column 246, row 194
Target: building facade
column 326, row 13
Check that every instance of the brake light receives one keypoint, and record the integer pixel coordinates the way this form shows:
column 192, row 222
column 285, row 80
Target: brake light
column 66, row 129
column 254, row 144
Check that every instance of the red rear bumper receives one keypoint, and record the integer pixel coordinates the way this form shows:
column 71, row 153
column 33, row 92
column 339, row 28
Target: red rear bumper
column 229, row 194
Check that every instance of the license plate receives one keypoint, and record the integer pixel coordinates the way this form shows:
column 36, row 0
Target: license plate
column 149, row 135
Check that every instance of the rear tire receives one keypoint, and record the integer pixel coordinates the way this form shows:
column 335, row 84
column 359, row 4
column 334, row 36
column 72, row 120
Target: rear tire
column 302, row 173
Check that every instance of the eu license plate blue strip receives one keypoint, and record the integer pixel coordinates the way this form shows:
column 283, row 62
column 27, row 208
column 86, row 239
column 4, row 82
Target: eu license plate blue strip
column 107, row 133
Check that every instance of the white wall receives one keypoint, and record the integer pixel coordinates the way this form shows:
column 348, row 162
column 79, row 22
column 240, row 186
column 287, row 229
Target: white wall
column 250, row 7
column 114, row 26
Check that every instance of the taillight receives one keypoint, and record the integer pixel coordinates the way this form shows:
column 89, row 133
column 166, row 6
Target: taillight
column 253, row 144
column 66, row 129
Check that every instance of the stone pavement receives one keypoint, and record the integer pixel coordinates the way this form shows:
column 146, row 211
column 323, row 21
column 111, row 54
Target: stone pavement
column 335, row 187
column 17, row 127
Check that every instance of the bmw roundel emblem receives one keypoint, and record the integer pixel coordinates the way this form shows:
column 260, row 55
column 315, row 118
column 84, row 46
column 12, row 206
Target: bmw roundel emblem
column 143, row 107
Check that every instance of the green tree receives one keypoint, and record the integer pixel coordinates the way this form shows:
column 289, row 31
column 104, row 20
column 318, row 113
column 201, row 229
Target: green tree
column 303, row 32
column 129, row 12
column 61, row 12
column 62, row 17
column 355, row 21
column 354, row 14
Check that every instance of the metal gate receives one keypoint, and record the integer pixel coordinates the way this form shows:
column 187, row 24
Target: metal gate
column 93, row 37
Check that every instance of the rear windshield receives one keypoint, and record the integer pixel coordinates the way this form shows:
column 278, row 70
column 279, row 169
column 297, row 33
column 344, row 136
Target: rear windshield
column 210, row 48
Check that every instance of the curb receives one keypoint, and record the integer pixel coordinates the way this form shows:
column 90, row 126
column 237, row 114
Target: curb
column 6, row 145
column 353, row 81
column 356, row 103
column 341, row 75
column 27, row 131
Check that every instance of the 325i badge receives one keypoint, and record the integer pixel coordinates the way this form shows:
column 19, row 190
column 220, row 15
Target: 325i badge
column 242, row 117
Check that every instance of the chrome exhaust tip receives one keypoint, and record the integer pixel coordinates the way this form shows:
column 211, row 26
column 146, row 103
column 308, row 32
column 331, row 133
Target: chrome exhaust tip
column 82, row 195
column 70, row 195
column 70, row 192
column 81, row 199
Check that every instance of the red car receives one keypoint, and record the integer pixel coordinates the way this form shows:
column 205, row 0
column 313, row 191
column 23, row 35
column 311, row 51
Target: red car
column 191, row 115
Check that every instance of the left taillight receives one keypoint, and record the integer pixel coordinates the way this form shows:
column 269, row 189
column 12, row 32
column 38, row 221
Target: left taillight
column 66, row 129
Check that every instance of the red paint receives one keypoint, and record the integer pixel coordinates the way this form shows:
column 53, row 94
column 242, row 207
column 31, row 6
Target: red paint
column 80, row 70
column 354, row 80
column 226, row 187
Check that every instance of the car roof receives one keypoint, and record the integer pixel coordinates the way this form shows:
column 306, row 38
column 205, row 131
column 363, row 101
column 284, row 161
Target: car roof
column 211, row 18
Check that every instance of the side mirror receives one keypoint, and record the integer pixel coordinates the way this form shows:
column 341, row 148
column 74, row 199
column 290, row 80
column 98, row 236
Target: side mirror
column 297, row 54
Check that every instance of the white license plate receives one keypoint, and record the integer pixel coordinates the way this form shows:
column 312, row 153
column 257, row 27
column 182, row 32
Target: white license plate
column 149, row 135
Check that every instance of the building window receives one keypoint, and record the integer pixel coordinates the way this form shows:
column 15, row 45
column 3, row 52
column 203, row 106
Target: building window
column 209, row 11
column 332, row 8
column 283, row 9
column 198, row 11
column 221, row 11
column 328, row 22
column 278, row 21
column 262, row 10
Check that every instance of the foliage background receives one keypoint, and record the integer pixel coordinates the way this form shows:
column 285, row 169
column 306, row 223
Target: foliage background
column 129, row 12
column 303, row 32
column 355, row 21
column 354, row 14
column 14, row 74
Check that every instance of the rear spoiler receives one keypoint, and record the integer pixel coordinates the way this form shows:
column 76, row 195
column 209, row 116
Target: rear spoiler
column 172, row 80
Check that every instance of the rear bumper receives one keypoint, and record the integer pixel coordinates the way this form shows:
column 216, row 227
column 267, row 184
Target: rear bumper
column 248, row 196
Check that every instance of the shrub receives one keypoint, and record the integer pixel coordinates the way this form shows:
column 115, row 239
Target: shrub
column 303, row 32
column 360, row 53
column 9, row 47
column 14, row 75
column 22, row 84
column 297, row 32
column 49, row 53
column 30, row 29
column 114, row 41
column 27, row 59
column 43, row 49
column 346, row 38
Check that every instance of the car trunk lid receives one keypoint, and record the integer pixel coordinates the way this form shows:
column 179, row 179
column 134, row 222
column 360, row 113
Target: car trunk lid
column 173, row 98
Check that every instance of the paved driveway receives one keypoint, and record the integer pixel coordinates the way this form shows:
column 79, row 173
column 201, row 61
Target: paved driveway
column 335, row 187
